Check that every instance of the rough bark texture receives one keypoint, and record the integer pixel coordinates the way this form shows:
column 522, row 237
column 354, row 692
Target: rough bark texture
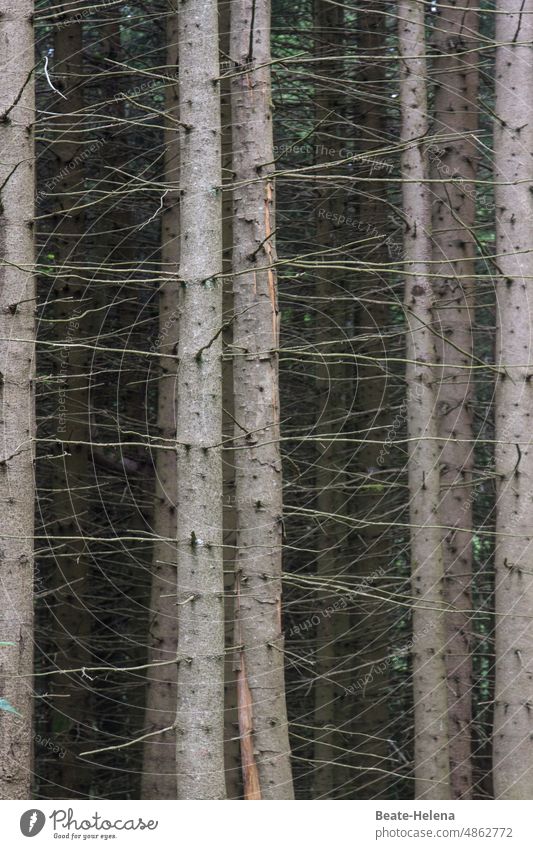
column 159, row 764
column 258, row 491
column 454, row 250
column 427, row 568
column 200, row 702
column 513, row 143
column 17, row 335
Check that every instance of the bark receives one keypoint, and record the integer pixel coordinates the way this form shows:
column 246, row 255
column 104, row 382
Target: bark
column 200, row 701
column 159, row 764
column 431, row 765
column 258, row 476
column 454, row 250
column 17, row 343
column 513, row 143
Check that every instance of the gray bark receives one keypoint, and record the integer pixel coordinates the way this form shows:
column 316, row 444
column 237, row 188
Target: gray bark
column 258, row 494
column 17, row 424
column 427, row 567
column 200, row 701
column 454, row 251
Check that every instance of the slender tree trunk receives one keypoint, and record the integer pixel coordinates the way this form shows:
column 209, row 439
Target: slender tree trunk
column 513, row 143
column 258, row 494
column 429, row 673
column 200, row 703
column 17, row 426
column 159, row 766
column 454, row 251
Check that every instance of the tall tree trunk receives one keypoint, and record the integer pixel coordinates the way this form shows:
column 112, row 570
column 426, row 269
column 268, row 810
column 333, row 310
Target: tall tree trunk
column 513, row 143
column 431, row 764
column 17, row 427
column 200, row 702
column 258, row 480
column 454, row 251
column 159, row 765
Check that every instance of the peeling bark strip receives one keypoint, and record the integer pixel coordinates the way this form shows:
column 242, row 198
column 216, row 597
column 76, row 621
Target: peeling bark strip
column 200, row 701
column 252, row 789
column 258, row 493
column 513, row 143
column 17, row 308
column 159, row 755
column 427, row 566
column 454, row 251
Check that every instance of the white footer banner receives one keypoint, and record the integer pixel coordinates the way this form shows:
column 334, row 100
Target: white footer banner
column 217, row 825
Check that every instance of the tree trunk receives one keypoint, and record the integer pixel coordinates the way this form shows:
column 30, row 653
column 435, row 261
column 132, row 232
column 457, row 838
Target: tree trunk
column 200, row 702
column 454, row 251
column 513, row 143
column 17, row 344
column 258, row 492
column 159, row 765
column 431, row 764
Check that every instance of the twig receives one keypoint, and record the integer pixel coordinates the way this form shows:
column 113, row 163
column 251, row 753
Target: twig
column 49, row 81
column 129, row 743
column 156, row 213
